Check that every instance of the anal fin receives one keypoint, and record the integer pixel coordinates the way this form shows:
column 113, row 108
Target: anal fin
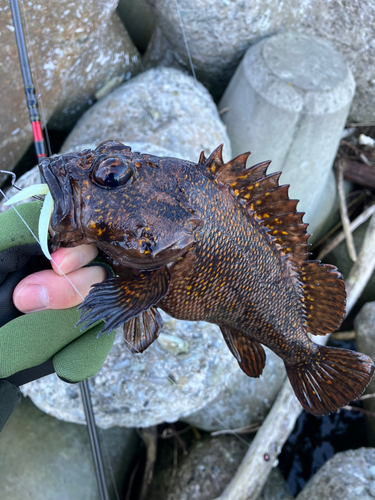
column 117, row 300
column 142, row 330
column 324, row 297
column 249, row 353
column 332, row 379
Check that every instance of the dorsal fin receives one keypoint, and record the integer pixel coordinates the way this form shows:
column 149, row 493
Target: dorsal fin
column 324, row 297
column 214, row 162
column 202, row 158
column 264, row 200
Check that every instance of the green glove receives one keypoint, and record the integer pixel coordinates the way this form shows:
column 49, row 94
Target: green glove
column 28, row 340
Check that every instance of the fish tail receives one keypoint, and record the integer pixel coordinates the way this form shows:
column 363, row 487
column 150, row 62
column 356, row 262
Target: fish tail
column 330, row 379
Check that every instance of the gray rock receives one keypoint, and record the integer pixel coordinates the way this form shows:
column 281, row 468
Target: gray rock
column 160, row 54
column 42, row 457
column 202, row 474
column 244, row 401
column 162, row 107
column 275, row 487
column 351, row 32
column 139, row 21
column 288, row 102
column 109, row 59
column 206, row 470
column 219, row 32
column 175, row 376
column 364, row 327
column 344, row 477
column 67, row 52
column 339, row 257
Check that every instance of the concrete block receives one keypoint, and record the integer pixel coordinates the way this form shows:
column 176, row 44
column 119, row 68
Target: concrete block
column 288, row 102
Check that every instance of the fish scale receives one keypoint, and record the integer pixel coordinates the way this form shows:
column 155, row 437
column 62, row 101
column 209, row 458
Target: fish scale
column 243, row 302
column 209, row 241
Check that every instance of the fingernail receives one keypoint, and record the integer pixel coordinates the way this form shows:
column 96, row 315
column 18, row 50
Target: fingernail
column 70, row 262
column 31, row 298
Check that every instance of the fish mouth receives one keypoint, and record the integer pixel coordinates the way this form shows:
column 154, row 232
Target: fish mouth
column 63, row 222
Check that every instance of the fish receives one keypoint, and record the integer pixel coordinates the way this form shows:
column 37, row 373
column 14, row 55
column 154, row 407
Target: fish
column 206, row 241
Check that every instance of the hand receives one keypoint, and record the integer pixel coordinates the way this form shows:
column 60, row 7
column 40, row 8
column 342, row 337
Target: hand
column 29, row 340
column 49, row 289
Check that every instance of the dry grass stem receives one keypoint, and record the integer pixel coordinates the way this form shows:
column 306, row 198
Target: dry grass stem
column 241, row 430
column 362, row 269
column 341, row 236
column 340, row 166
column 150, row 437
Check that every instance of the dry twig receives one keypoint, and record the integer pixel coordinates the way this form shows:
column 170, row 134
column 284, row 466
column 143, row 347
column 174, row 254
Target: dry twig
column 268, row 442
column 360, row 410
column 150, row 437
column 340, row 167
column 351, row 335
column 241, row 430
column 363, row 268
column 341, row 236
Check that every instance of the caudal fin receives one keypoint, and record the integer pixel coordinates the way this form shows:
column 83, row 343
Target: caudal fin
column 331, row 380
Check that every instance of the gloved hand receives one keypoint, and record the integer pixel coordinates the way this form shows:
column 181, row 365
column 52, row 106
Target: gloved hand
column 47, row 336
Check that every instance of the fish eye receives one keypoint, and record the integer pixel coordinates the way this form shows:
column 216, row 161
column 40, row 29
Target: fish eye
column 112, row 173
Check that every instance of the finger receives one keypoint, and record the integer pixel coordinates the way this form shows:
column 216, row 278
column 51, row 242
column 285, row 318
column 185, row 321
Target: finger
column 47, row 290
column 66, row 260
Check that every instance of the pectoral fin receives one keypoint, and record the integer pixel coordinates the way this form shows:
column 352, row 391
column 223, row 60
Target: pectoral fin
column 118, row 300
column 142, row 330
column 249, row 353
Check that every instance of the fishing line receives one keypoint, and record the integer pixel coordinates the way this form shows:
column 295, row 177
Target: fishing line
column 185, row 40
column 142, row 355
column 174, row 383
column 37, row 240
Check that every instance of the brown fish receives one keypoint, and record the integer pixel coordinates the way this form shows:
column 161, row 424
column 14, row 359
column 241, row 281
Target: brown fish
column 207, row 241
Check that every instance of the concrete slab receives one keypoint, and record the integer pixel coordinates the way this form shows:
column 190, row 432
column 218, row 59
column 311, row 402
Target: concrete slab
column 288, row 102
column 42, row 457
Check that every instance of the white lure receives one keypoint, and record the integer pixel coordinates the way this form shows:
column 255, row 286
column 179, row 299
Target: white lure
column 45, row 213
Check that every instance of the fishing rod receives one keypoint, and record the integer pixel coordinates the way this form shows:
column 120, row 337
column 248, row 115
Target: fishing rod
column 94, row 442
column 32, row 104
column 31, row 99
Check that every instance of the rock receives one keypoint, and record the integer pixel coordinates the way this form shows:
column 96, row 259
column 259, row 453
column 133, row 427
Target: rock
column 364, row 327
column 206, row 470
column 350, row 31
column 218, row 34
column 346, row 476
column 288, row 102
column 275, row 487
column 160, row 54
column 179, row 374
column 202, row 474
column 163, row 384
column 139, row 21
column 69, row 45
column 45, row 458
column 339, row 257
column 163, row 107
column 109, row 59
column 243, row 401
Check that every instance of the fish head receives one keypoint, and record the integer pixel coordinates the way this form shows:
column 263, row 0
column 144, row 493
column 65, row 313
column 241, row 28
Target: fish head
column 127, row 203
